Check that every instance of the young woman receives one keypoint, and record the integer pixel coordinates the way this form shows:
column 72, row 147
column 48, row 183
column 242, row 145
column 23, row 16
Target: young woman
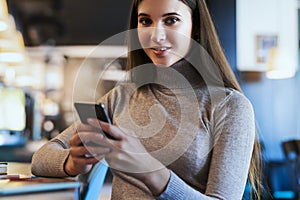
column 182, row 128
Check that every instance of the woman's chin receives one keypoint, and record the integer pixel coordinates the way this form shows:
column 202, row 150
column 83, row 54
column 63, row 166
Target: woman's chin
column 165, row 63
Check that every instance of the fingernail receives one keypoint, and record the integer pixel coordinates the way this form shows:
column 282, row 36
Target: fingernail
column 90, row 120
column 100, row 136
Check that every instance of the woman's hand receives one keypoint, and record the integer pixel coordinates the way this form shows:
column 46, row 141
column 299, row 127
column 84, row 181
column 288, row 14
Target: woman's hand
column 130, row 156
column 86, row 149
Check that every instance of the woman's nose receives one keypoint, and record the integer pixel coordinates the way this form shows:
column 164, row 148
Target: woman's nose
column 158, row 34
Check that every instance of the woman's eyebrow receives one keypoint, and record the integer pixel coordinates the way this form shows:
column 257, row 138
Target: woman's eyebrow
column 164, row 15
column 172, row 13
column 143, row 15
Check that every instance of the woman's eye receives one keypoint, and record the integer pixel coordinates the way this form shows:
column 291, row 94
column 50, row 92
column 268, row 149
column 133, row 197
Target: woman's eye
column 171, row 20
column 145, row 21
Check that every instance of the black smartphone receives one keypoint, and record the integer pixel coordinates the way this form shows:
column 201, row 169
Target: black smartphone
column 91, row 110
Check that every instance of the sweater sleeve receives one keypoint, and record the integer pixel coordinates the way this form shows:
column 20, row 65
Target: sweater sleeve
column 178, row 189
column 233, row 127
column 50, row 158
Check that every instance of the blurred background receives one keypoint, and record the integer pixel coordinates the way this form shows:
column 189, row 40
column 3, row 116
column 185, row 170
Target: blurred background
column 45, row 43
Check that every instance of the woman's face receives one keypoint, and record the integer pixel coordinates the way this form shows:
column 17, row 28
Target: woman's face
column 164, row 30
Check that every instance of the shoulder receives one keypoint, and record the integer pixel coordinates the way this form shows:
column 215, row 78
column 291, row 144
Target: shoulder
column 232, row 103
column 234, row 115
column 220, row 97
column 227, row 97
column 236, row 100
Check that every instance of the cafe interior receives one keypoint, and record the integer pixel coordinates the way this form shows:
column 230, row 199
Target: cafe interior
column 47, row 46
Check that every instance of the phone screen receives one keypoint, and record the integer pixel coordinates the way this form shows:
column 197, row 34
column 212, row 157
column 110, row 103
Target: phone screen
column 91, row 110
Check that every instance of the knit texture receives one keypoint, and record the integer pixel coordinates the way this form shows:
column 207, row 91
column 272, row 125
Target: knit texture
column 204, row 135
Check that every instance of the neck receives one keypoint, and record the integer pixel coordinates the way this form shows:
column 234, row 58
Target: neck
column 179, row 75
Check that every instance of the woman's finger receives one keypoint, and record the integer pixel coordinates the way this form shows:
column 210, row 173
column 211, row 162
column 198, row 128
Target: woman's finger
column 85, row 152
column 84, row 127
column 78, row 151
column 97, row 150
column 75, row 140
column 94, row 123
column 110, row 129
column 85, row 160
column 80, row 127
column 83, row 138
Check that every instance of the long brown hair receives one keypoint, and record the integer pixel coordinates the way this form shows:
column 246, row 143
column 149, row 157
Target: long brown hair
column 205, row 34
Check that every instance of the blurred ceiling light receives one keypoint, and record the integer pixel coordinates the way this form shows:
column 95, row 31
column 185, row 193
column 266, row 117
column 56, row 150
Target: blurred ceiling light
column 3, row 16
column 12, row 49
column 3, row 9
column 7, row 26
column 3, row 25
column 281, row 64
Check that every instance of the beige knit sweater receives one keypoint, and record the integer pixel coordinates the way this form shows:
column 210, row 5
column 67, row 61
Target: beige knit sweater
column 203, row 135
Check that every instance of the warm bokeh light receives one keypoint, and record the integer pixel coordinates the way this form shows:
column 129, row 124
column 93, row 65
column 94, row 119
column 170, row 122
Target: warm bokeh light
column 12, row 49
column 3, row 25
column 280, row 64
column 3, row 9
column 12, row 108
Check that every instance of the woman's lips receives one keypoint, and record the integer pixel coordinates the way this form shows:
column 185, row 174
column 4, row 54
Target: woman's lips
column 160, row 51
